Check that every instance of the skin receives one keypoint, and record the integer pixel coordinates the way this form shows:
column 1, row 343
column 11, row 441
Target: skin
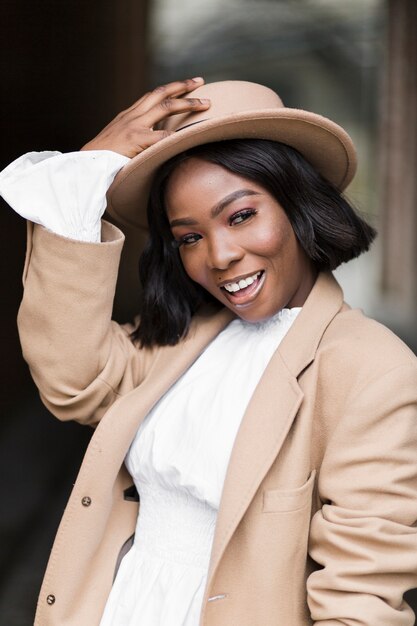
column 221, row 243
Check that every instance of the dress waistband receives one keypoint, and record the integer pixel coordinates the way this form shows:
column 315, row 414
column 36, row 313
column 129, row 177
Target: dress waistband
column 175, row 526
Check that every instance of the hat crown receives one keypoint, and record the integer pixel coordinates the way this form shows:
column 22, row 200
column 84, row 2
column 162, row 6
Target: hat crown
column 228, row 97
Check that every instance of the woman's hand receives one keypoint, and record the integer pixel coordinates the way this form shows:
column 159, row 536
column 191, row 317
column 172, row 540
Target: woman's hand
column 131, row 131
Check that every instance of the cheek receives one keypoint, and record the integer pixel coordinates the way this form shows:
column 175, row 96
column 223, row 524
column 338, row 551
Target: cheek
column 273, row 241
column 192, row 267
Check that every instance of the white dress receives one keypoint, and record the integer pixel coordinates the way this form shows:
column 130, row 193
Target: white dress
column 179, row 457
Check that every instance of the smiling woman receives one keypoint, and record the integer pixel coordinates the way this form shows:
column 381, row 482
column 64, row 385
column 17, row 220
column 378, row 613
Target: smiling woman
column 240, row 209
column 253, row 461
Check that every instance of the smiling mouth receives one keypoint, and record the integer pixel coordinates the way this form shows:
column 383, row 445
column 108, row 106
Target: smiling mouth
column 245, row 289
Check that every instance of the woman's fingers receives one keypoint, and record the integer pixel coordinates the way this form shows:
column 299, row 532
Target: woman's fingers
column 172, row 106
column 171, row 90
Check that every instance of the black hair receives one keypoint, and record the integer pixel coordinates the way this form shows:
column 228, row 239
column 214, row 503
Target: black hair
column 324, row 222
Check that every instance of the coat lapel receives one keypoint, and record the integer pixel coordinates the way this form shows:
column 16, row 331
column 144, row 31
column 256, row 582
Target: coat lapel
column 265, row 425
column 259, row 439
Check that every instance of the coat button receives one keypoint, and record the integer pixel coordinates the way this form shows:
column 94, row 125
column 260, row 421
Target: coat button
column 86, row 501
column 50, row 599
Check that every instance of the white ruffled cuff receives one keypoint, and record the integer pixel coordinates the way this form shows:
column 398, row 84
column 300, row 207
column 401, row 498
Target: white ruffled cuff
column 66, row 193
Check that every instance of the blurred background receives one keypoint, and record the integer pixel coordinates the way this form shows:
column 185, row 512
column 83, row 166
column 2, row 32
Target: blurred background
column 66, row 68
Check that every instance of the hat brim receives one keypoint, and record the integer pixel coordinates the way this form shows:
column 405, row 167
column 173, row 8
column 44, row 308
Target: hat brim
column 326, row 146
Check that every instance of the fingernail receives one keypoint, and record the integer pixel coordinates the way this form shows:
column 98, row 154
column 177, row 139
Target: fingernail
column 197, row 79
column 204, row 100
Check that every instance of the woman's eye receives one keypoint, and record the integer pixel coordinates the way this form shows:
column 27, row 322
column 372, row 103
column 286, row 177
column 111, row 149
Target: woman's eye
column 188, row 240
column 241, row 216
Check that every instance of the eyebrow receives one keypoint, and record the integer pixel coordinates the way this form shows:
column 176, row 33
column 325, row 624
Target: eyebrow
column 218, row 208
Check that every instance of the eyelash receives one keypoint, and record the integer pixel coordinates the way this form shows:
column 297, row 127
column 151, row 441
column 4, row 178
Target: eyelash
column 244, row 213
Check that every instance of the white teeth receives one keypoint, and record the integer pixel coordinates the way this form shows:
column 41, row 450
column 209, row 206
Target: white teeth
column 242, row 284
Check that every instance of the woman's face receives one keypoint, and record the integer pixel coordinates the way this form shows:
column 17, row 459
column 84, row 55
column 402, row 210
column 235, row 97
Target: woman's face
column 236, row 241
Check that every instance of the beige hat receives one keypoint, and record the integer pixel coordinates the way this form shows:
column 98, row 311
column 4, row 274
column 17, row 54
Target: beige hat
column 239, row 110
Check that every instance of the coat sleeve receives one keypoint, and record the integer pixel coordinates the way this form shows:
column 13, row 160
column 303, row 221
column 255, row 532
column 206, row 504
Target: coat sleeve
column 365, row 537
column 80, row 360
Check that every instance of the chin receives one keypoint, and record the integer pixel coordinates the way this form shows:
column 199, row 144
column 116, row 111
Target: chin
column 254, row 316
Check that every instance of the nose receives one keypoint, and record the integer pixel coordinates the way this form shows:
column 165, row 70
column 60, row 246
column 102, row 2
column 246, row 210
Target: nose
column 223, row 252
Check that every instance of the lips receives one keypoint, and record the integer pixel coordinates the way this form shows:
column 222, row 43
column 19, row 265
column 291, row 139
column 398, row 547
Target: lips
column 245, row 289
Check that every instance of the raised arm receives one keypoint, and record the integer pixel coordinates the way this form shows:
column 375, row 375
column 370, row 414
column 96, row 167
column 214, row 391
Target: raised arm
column 80, row 360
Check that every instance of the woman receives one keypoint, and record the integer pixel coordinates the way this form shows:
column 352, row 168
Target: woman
column 269, row 429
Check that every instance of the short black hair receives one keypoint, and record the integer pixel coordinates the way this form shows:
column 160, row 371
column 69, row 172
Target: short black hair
column 327, row 226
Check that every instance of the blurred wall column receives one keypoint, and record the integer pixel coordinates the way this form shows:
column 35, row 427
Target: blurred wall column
column 398, row 163
column 130, row 69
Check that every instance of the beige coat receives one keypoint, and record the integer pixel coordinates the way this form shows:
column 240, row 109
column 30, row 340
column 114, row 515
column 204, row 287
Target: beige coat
column 324, row 463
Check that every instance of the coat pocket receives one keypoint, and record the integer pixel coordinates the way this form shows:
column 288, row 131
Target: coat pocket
column 286, row 500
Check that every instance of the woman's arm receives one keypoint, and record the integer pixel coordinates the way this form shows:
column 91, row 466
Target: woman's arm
column 80, row 360
column 365, row 535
